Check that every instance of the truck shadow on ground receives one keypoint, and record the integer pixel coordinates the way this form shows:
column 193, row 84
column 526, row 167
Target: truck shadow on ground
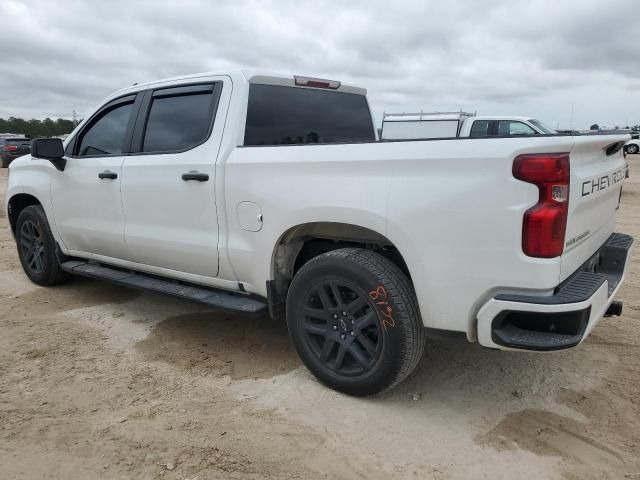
column 211, row 343
column 77, row 292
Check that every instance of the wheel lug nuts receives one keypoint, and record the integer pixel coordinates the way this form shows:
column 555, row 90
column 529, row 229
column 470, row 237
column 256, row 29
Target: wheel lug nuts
column 353, row 322
column 335, row 327
column 344, row 314
column 351, row 333
column 335, row 315
column 343, row 336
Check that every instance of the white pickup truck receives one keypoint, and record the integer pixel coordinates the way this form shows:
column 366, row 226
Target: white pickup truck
column 421, row 126
column 257, row 192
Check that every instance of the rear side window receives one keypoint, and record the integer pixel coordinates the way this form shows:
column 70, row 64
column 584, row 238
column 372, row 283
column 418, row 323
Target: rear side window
column 105, row 136
column 179, row 122
column 480, row 128
column 279, row 115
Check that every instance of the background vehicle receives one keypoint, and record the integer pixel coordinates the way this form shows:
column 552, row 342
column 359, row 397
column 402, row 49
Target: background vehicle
column 12, row 147
column 252, row 192
column 632, row 147
column 406, row 126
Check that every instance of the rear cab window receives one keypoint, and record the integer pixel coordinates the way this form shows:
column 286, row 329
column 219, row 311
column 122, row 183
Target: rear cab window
column 283, row 115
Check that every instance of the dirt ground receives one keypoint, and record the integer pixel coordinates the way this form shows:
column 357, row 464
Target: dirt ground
column 97, row 381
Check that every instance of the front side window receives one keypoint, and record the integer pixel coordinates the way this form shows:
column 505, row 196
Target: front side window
column 278, row 115
column 509, row 127
column 106, row 134
column 542, row 127
column 178, row 122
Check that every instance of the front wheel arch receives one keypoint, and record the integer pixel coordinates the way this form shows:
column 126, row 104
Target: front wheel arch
column 17, row 204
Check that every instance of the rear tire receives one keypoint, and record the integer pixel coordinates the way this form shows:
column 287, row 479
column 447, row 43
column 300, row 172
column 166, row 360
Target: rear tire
column 353, row 318
column 37, row 248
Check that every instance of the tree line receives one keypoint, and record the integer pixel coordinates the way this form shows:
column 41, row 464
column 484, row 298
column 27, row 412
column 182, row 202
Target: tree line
column 37, row 128
column 636, row 128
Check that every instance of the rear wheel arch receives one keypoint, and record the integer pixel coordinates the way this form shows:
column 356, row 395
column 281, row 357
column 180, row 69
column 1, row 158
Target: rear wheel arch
column 301, row 243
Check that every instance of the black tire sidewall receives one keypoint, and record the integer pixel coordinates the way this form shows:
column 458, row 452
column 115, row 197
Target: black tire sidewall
column 36, row 215
column 387, row 367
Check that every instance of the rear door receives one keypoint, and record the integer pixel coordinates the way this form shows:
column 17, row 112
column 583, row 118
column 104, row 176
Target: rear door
column 168, row 186
column 86, row 195
column 597, row 174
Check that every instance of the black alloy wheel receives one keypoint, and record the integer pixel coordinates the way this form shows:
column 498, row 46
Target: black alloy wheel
column 32, row 247
column 341, row 328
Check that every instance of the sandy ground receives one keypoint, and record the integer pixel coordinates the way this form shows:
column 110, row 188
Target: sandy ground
column 97, row 381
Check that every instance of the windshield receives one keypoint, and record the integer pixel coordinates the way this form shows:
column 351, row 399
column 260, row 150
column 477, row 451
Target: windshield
column 542, row 127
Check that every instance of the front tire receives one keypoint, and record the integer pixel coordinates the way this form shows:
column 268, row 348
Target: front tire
column 353, row 319
column 632, row 149
column 37, row 248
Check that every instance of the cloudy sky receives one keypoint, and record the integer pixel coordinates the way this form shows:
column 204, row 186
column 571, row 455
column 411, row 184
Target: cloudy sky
column 542, row 58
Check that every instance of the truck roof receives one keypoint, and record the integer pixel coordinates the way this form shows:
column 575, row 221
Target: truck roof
column 502, row 117
column 247, row 75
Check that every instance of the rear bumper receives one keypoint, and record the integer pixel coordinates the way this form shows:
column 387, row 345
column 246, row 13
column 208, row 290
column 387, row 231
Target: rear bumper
column 561, row 320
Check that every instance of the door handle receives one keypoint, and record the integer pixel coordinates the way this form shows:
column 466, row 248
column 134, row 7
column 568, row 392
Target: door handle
column 108, row 174
column 194, row 175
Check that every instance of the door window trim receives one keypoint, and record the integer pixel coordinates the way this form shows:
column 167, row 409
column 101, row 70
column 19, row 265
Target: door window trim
column 137, row 139
column 70, row 150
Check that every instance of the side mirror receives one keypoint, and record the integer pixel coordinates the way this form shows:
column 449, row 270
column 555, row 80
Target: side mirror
column 49, row 149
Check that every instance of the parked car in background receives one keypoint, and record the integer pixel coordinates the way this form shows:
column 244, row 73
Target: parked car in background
column 415, row 126
column 632, row 147
column 12, row 147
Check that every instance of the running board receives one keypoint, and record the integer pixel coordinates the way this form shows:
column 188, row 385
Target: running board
column 217, row 299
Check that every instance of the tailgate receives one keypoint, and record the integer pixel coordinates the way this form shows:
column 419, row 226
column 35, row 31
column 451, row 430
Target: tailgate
column 596, row 182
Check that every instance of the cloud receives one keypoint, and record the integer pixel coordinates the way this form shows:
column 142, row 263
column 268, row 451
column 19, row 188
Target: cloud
column 542, row 58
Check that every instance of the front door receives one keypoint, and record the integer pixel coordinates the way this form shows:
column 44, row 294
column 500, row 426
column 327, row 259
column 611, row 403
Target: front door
column 86, row 195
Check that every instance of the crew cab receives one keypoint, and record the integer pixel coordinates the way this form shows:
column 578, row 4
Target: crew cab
column 260, row 193
column 416, row 126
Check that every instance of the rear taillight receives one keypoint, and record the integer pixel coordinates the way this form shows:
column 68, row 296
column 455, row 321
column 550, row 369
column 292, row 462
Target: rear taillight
column 10, row 148
column 545, row 223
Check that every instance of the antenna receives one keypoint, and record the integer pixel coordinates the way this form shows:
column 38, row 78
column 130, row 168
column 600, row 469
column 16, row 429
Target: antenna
column 573, row 104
